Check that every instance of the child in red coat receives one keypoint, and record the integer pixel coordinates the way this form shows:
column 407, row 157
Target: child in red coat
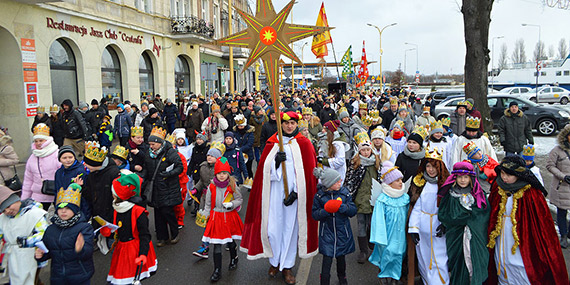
column 483, row 164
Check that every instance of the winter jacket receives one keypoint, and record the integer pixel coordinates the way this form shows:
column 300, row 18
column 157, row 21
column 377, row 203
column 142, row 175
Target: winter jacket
column 194, row 121
column 56, row 130
column 558, row 164
column 148, row 124
column 63, row 177
column 166, row 186
column 219, row 207
column 387, row 118
column 257, row 122
column 268, row 129
column 139, row 158
column 37, row 170
column 407, row 165
column 231, row 119
column 408, row 124
column 8, row 159
column 45, row 119
column 199, row 154
column 158, row 104
column 236, row 161
column 215, row 135
column 245, row 139
column 170, row 113
column 105, row 134
column 206, row 174
column 123, row 124
column 97, row 190
column 514, row 131
column 74, row 125
column 335, row 233
column 140, row 117
column 67, row 265
column 359, row 182
column 327, row 114
column 315, row 128
column 457, row 123
column 94, row 117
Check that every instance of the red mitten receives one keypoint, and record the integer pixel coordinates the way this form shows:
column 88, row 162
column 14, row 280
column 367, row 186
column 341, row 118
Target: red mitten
column 332, row 206
column 105, row 231
column 140, row 259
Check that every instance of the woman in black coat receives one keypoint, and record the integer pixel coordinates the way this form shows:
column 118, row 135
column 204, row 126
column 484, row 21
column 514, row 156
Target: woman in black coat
column 151, row 121
column 409, row 160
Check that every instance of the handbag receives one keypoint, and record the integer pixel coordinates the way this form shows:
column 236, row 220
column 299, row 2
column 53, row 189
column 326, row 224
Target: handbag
column 13, row 183
column 48, row 186
column 150, row 184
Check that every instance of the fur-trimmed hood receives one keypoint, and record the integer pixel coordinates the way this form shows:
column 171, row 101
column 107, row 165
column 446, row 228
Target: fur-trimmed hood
column 4, row 140
column 508, row 113
column 250, row 129
column 563, row 138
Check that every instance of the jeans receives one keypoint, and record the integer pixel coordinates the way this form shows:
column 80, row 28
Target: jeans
column 363, row 222
column 257, row 152
column 561, row 221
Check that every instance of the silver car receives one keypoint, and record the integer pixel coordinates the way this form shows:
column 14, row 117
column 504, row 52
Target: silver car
column 548, row 94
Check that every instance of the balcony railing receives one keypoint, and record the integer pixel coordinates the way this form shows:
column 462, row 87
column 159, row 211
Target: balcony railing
column 192, row 25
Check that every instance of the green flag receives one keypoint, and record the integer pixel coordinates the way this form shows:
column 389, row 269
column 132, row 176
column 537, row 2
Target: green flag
column 346, row 62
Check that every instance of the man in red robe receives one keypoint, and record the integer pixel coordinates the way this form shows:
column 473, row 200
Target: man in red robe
column 523, row 243
column 275, row 226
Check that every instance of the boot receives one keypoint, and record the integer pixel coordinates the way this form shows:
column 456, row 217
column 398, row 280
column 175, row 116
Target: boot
column 564, row 241
column 363, row 245
column 233, row 256
column 217, row 275
column 325, row 279
column 288, row 276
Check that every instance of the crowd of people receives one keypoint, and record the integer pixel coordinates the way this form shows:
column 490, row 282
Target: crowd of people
column 429, row 196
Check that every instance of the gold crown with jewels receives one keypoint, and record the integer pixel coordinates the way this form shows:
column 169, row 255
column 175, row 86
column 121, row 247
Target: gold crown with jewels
column 393, row 101
column 239, row 119
column 96, row 154
column 137, row 131
column 426, row 109
column 41, row 109
column 41, row 129
column 363, row 106
column 218, row 145
column 121, row 152
column 472, row 122
column 361, row 138
column 434, row 154
column 367, row 121
column 436, row 125
column 71, row 195
column 469, row 147
column 446, row 121
column 422, row 131
column 303, row 124
column 307, row 111
column 375, row 114
column 158, row 132
column 54, row 108
column 528, row 150
column 171, row 139
column 90, row 144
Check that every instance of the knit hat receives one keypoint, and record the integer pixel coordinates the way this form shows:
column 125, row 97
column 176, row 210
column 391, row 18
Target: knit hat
column 471, row 102
column 168, row 100
column 515, row 165
column 70, row 197
column 127, row 106
column 127, row 185
column 64, row 149
column 180, row 135
column 215, row 152
column 230, row 134
column 7, row 197
column 121, row 106
column 144, row 104
column 152, row 111
column 201, row 136
column 82, row 105
column 389, row 173
column 222, row 165
column 343, row 114
column 513, row 103
column 94, row 102
column 328, row 176
column 417, row 138
column 378, row 133
column 528, row 152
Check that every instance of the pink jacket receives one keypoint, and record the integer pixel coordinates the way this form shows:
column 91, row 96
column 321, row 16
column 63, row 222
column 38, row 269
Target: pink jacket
column 32, row 184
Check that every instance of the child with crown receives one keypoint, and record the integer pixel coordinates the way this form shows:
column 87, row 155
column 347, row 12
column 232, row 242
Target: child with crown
column 483, row 164
column 444, row 144
column 69, row 240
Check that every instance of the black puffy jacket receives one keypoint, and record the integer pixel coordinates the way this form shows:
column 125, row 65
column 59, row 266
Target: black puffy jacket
column 199, row 155
column 148, row 124
column 74, row 125
column 166, row 186
column 69, row 266
column 97, row 190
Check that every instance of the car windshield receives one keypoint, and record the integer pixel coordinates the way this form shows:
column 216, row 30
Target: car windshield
column 491, row 101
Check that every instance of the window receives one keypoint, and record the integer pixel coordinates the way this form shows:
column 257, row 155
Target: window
column 506, row 102
column 524, row 90
column 515, row 91
column 545, row 90
column 566, row 72
column 143, row 5
column 556, row 89
column 216, row 21
column 558, row 73
column 454, row 102
column 182, row 76
column 146, row 79
column 542, row 73
column 111, row 75
column 63, row 72
column 492, row 102
column 205, row 10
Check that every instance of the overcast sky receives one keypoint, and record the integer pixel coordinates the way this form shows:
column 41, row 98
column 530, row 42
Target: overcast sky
column 436, row 26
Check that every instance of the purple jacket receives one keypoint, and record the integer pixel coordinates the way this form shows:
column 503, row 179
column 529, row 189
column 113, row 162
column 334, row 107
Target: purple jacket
column 32, row 184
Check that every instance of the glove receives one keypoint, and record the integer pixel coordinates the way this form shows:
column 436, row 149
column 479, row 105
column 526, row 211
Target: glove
column 141, row 258
column 105, row 231
column 343, row 208
column 332, row 206
column 280, row 157
column 22, row 241
column 228, row 205
column 194, row 191
column 567, row 179
column 289, row 201
column 440, row 230
column 415, row 238
column 483, row 176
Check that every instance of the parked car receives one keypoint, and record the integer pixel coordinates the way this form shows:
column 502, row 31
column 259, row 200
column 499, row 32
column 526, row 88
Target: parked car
column 545, row 119
column 548, row 94
column 441, row 95
column 515, row 91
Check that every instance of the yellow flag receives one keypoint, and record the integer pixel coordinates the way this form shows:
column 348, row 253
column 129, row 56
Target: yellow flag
column 320, row 41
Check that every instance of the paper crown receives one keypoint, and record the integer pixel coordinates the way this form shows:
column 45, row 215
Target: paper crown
column 201, row 219
column 472, row 122
column 403, row 107
column 345, row 97
column 462, row 104
column 528, row 151
column 393, row 101
column 470, row 148
column 436, row 125
column 215, row 107
column 240, row 119
column 307, row 111
column 399, row 124
column 137, row 131
column 171, row 139
column 90, row 144
column 446, row 121
column 362, row 138
column 426, row 109
column 41, row 109
column 54, row 108
column 422, row 131
column 218, row 145
column 234, row 104
column 363, row 106
column 158, row 132
column 121, row 152
column 41, row 129
column 96, row 154
column 342, row 109
column 71, row 195
column 303, row 124
column 434, row 154
column 375, row 114
column 367, row 121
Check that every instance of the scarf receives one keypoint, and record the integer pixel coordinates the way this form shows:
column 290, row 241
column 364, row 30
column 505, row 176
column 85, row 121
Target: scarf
column 391, row 192
column 259, row 119
column 429, row 179
column 123, row 207
column 530, row 165
column 367, row 161
column 397, row 134
column 154, row 154
column 132, row 144
column 461, row 122
column 65, row 224
column 293, row 134
column 433, row 139
column 221, row 184
column 48, row 148
column 513, row 187
column 414, row 155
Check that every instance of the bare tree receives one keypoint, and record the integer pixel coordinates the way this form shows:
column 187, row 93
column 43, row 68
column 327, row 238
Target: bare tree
column 551, row 52
column 519, row 55
column 562, row 49
column 539, row 52
column 503, row 57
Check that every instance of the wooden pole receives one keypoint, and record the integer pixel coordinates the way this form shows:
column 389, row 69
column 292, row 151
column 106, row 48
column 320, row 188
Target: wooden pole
column 276, row 101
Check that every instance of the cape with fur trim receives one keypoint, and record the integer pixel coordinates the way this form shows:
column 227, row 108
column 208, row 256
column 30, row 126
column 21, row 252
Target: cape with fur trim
column 255, row 240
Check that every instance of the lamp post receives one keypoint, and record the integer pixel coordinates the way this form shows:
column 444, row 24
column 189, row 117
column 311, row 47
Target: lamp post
column 303, row 62
column 539, row 57
column 230, row 29
column 417, row 60
column 380, row 61
column 493, row 61
column 405, row 62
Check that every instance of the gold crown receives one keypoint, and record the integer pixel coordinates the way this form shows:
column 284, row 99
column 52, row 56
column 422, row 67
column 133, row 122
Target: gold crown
column 434, row 154
column 41, row 129
column 528, row 150
column 469, row 147
column 363, row 106
column 375, row 114
column 54, row 108
column 96, row 154
column 345, row 97
column 422, row 131
column 436, row 125
column 472, row 122
column 361, row 138
column 240, row 119
column 215, row 107
column 446, row 121
column 41, row 109
column 393, row 101
column 158, row 132
column 399, row 124
column 367, row 121
column 403, row 106
column 121, row 152
column 218, row 145
column 303, row 124
column 463, row 104
column 137, row 131
column 171, row 139
column 234, row 104
column 342, row 109
column 307, row 111
column 71, row 195
column 201, row 220
column 426, row 108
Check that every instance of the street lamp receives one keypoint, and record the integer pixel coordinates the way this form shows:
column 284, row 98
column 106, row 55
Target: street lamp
column 380, row 61
column 539, row 56
column 405, row 54
column 493, row 61
column 303, row 63
column 417, row 60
